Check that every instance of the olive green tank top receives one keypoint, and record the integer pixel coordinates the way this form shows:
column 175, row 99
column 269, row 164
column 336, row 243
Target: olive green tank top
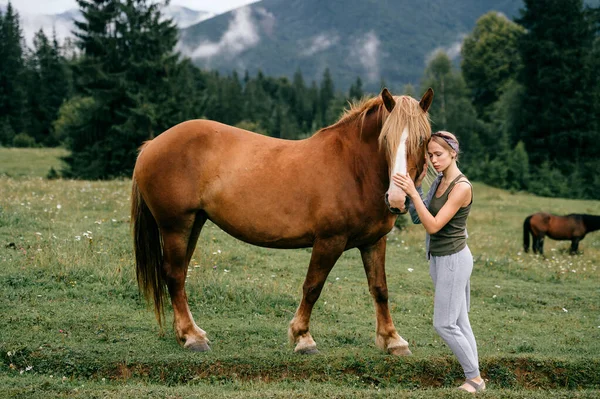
column 451, row 238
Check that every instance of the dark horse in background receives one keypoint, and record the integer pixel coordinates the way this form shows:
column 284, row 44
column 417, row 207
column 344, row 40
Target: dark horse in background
column 331, row 192
column 571, row 227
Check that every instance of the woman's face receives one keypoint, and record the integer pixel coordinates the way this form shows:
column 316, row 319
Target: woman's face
column 439, row 156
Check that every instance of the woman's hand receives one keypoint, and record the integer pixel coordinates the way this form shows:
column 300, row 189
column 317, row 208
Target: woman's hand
column 406, row 184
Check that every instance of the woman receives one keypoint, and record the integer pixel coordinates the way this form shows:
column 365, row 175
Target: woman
column 444, row 215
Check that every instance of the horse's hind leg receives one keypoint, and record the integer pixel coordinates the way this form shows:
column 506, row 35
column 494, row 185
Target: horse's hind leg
column 324, row 255
column 575, row 245
column 178, row 247
column 374, row 262
column 534, row 243
column 540, row 244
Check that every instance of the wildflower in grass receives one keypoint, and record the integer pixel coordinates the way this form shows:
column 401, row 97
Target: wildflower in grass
column 58, row 206
column 565, row 310
column 410, row 269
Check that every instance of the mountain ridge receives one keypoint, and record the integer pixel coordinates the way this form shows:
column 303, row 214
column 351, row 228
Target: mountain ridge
column 63, row 23
column 385, row 39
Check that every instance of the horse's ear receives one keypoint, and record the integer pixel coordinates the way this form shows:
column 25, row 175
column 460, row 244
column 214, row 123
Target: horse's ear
column 426, row 100
column 388, row 99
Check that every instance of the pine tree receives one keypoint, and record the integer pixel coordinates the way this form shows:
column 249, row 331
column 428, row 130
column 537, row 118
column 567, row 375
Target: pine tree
column 49, row 86
column 356, row 90
column 300, row 105
column 12, row 89
column 326, row 94
column 490, row 59
column 130, row 70
column 556, row 109
column 452, row 110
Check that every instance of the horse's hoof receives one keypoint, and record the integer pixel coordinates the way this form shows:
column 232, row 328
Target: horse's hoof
column 400, row 351
column 197, row 347
column 308, row 351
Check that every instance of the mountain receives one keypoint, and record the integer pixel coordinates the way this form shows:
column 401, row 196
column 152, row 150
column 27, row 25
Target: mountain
column 185, row 17
column 63, row 23
column 373, row 39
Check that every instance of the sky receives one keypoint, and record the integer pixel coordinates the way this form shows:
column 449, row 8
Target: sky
column 58, row 6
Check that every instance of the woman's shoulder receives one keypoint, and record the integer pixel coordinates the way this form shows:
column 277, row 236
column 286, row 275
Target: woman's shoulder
column 463, row 188
column 463, row 179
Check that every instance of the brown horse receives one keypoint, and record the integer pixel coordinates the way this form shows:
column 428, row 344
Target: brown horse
column 572, row 227
column 331, row 192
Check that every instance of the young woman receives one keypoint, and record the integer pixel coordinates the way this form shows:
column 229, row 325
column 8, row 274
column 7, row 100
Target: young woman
column 444, row 213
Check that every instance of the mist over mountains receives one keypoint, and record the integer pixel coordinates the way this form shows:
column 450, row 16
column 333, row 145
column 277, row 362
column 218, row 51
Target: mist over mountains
column 388, row 40
column 63, row 23
column 379, row 41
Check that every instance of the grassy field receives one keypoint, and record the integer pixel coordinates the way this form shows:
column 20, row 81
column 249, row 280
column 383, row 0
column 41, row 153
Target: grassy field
column 73, row 324
column 30, row 162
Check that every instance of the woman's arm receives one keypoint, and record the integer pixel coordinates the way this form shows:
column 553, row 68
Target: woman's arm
column 411, row 208
column 460, row 194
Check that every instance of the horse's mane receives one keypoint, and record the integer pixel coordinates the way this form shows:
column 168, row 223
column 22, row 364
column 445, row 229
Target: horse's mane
column 406, row 113
column 359, row 109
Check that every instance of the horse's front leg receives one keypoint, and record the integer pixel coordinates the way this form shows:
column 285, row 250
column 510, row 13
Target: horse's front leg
column 324, row 255
column 387, row 337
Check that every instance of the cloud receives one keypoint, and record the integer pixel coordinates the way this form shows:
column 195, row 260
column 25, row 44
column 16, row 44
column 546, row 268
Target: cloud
column 366, row 50
column 241, row 34
column 61, row 24
column 320, row 43
column 452, row 51
column 267, row 21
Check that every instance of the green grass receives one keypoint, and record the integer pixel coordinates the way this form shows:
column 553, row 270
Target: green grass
column 30, row 162
column 70, row 307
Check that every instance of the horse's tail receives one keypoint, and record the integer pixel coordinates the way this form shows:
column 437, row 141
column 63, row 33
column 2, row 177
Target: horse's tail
column 526, row 231
column 148, row 252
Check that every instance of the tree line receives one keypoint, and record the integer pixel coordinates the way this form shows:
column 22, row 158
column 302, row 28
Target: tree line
column 524, row 102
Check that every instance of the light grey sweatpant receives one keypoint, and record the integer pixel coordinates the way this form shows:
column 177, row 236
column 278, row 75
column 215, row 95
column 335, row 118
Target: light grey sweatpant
column 450, row 275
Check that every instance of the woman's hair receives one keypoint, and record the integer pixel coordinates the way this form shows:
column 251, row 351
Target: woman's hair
column 447, row 140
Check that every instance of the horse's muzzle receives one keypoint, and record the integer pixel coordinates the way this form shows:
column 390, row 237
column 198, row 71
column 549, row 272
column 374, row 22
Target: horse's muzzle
column 396, row 211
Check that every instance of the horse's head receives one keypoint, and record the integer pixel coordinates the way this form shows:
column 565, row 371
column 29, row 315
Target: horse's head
column 404, row 136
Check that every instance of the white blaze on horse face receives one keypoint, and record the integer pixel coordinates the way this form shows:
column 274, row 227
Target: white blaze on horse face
column 396, row 196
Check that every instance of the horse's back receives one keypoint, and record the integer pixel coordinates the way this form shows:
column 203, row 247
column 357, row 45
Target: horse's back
column 262, row 190
column 176, row 169
column 558, row 227
column 539, row 223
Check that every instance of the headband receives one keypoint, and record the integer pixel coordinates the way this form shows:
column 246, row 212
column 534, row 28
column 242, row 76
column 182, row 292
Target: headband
column 449, row 140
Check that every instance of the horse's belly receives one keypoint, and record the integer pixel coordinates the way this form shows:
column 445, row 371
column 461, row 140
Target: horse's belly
column 273, row 235
column 262, row 222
